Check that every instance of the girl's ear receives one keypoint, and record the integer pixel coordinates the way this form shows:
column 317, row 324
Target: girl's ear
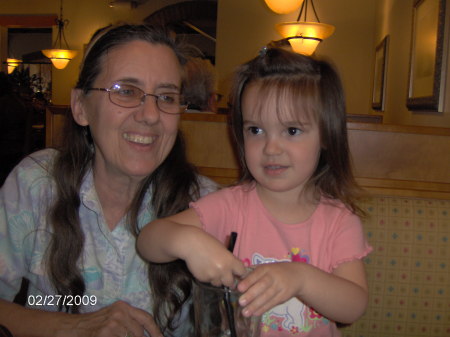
column 78, row 111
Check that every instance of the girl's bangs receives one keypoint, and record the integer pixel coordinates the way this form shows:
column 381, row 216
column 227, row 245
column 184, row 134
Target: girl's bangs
column 295, row 100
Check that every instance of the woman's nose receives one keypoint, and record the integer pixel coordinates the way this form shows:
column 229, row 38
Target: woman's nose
column 148, row 112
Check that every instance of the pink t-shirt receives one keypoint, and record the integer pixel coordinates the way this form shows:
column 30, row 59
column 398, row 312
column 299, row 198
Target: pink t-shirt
column 332, row 235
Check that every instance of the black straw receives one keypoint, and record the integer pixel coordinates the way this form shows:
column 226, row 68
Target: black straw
column 228, row 306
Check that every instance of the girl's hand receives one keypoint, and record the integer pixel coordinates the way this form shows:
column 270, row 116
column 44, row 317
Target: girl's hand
column 119, row 319
column 180, row 236
column 341, row 296
column 267, row 286
column 210, row 261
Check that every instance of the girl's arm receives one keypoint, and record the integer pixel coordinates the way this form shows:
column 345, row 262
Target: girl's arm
column 180, row 237
column 341, row 296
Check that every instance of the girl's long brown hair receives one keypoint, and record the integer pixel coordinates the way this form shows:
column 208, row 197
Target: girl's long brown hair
column 313, row 87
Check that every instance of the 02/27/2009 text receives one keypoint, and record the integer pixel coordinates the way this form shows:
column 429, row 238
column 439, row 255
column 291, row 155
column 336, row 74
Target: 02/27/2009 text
column 49, row 300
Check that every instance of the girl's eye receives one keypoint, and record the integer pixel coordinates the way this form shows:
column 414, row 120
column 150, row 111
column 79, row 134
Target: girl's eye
column 254, row 130
column 294, row 131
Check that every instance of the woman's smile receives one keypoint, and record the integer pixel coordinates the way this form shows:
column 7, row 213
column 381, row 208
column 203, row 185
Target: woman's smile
column 139, row 139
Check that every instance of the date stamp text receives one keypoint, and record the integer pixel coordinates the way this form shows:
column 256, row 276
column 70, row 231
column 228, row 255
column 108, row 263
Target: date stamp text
column 64, row 300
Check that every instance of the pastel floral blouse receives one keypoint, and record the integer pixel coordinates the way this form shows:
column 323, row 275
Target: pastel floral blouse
column 110, row 266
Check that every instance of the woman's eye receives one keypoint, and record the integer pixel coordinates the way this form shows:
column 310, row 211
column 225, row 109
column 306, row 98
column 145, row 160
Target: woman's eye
column 126, row 92
column 167, row 98
column 294, row 131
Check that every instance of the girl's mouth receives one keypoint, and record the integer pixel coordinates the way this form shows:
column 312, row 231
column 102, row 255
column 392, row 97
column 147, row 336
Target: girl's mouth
column 274, row 169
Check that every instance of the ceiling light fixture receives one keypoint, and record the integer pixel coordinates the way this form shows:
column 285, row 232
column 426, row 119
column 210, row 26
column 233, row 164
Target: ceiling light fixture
column 60, row 56
column 304, row 36
column 283, row 6
column 12, row 64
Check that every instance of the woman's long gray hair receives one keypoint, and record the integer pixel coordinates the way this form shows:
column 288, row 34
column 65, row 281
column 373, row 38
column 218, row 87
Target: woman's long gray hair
column 173, row 185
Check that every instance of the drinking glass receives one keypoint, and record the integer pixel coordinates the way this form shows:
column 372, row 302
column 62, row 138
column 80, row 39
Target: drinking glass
column 211, row 314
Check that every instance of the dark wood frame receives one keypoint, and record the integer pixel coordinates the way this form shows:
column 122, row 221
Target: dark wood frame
column 380, row 74
column 418, row 60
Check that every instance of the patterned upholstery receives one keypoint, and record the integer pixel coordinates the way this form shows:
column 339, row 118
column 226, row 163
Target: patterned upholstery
column 409, row 269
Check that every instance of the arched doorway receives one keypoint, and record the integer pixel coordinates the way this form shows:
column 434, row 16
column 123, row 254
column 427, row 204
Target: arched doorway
column 193, row 21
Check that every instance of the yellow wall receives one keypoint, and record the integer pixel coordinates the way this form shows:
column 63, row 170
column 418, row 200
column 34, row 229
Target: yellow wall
column 394, row 18
column 244, row 26
column 85, row 17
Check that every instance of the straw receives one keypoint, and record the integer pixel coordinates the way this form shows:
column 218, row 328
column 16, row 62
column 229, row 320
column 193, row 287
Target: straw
column 228, row 306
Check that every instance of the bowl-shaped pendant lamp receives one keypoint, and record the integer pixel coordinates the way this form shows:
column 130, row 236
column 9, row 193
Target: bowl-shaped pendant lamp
column 304, row 37
column 60, row 56
column 283, row 6
column 12, row 64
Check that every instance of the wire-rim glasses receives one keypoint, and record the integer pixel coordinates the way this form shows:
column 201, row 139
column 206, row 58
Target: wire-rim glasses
column 129, row 96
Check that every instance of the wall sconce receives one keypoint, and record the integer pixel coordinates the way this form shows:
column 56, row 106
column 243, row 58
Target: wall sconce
column 283, row 6
column 12, row 64
column 303, row 36
column 60, row 56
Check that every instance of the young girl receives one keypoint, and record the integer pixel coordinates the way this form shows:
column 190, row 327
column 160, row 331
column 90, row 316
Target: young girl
column 294, row 210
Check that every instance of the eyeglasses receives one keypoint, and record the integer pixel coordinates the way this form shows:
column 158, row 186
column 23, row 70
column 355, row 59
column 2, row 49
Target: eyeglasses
column 129, row 96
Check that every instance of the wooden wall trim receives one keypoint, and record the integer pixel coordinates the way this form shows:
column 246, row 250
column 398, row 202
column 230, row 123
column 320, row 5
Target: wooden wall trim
column 401, row 160
column 405, row 188
column 28, row 21
column 423, row 130
column 401, row 188
column 204, row 117
column 388, row 159
column 58, row 109
column 400, row 156
column 365, row 118
column 54, row 124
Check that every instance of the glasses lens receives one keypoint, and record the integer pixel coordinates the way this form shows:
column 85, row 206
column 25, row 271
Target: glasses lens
column 125, row 95
column 171, row 103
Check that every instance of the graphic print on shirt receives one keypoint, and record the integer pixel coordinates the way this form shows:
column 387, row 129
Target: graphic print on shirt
column 292, row 316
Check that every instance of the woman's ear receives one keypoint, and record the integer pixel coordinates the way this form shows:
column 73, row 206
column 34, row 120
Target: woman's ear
column 78, row 111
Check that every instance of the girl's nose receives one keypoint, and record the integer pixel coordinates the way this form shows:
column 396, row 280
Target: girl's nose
column 148, row 112
column 272, row 146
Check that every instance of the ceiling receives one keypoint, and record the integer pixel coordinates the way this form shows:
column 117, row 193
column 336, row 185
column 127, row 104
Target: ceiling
column 133, row 3
column 183, row 16
column 194, row 21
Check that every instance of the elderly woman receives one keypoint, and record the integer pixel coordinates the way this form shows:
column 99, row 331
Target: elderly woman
column 69, row 218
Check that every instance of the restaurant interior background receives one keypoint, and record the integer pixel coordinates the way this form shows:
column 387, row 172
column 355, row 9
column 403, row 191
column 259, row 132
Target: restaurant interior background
column 242, row 28
column 401, row 156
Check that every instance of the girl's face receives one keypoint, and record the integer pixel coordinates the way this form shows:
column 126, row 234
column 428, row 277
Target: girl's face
column 131, row 142
column 281, row 150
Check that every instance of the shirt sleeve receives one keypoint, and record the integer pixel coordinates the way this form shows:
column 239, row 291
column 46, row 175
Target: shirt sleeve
column 22, row 200
column 350, row 243
column 337, row 238
column 216, row 211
